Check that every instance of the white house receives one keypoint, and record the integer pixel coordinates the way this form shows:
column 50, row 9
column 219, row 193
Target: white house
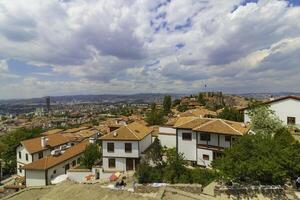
column 286, row 108
column 122, row 148
column 203, row 139
column 42, row 171
column 167, row 136
column 36, row 148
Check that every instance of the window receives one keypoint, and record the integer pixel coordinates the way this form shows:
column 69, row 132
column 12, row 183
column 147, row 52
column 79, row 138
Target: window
column 78, row 160
column 41, row 155
column 20, row 155
column 73, row 163
column 205, row 137
column 54, row 172
column 112, row 163
column 128, row 147
column 227, row 138
column 26, row 156
column 110, row 147
column 291, row 120
column 205, row 157
column 186, row 136
column 20, row 170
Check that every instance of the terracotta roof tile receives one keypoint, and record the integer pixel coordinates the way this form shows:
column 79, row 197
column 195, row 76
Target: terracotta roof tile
column 34, row 145
column 133, row 131
column 213, row 126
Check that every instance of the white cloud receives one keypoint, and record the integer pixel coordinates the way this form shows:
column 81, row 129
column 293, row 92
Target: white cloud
column 154, row 46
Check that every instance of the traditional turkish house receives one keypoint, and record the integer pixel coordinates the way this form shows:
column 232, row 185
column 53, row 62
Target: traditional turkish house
column 36, row 148
column 203, row 139
column 123, row 147
column 42, row 171
column 286, row 108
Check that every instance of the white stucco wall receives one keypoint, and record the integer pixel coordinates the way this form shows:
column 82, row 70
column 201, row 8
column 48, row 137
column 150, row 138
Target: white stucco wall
column 60, row 169
column 45, row 153
column 167, row 140
column 283, row 109
column 35, row 178
column 200, row 160
column 120, row 165
column 21, row 162
column 119, row 150
column 163, row 129
column 145, row 143
column 187, row 147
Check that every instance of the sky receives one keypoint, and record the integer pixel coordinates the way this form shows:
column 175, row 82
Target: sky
column 67, row 47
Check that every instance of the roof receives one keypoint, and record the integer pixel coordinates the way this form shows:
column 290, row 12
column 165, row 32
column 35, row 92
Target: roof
column 51, row 161
column 276, row 100
column 34, row 145
column 218, row 126
column 198, row 112
column 73, row 130
column 81, row 135
column 133, row 131
column 53, row 131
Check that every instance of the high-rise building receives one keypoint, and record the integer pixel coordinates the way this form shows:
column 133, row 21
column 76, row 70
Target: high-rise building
column 48, row 104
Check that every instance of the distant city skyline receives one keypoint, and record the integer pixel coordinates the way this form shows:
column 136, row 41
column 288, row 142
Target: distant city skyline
column 72, row 47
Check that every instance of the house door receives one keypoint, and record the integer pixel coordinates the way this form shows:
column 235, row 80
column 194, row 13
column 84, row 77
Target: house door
column 67, row 167
column 129, row 164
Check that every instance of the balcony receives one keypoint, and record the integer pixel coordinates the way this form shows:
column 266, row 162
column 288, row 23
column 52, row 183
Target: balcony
column 210, row 147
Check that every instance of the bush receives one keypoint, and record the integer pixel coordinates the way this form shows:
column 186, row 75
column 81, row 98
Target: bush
column 148, row 174
column 173, row 171
column 203, row 176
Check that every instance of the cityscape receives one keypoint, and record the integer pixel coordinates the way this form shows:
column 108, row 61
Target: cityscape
column 149, row 100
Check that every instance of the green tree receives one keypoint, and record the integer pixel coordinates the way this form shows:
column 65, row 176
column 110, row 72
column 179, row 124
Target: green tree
column 90, row 155
column 155, row 116
column 182, row 107
column 231, row 114
column 264, row 120
column 267, row 158
column 175, row 170
column 155, row 153
column 10, row 142
column 201, row 99
column 176, row 102
column 167, row 103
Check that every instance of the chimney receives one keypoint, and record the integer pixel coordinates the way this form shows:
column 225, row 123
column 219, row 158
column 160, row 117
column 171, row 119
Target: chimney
column 43, row 142
column 92, row 140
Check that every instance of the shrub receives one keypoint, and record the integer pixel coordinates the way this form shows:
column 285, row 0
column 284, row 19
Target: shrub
column 203, row 176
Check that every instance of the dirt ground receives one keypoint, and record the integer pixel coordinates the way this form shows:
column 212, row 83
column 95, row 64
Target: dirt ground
column 72, row 191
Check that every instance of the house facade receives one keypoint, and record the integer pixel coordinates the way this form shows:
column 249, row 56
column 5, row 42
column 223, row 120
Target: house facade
column 167, row 136
column 123, row 148
column 42, row 171
column 202, row 139
column 37, row 148
column 286, row 108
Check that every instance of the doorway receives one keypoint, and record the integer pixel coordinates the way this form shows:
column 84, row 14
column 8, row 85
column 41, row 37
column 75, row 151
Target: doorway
column 129, row 164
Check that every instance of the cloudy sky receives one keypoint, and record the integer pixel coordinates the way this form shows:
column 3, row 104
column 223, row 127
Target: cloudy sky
column 65, row 47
